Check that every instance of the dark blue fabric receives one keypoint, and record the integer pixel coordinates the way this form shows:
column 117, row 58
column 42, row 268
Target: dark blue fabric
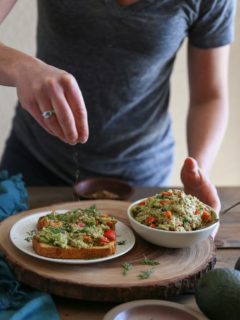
column 13, row 195
column 18, row 301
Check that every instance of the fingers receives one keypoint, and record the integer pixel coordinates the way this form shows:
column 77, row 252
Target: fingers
column 191, row 165
column 76, row 102
column 191, row 174
column 47, row 88
column 52, row 124
column 193, row 178
column 71, row 114
column 64, row 117
column 197, row 183
column 36, row 113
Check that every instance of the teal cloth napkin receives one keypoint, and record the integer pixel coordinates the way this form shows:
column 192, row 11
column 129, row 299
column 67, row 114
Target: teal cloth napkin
column 18, row 301
column 13, row 195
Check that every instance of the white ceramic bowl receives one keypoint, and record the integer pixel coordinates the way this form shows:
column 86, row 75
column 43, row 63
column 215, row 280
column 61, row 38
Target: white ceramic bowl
column 170, row 239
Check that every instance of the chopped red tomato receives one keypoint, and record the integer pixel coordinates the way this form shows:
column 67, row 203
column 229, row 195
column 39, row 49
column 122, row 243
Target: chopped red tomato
column 109, row 223
column 168, row 214
column 205, row 215
column 81, row 224
column 149, row 220
column 103, row 240
column 142, row 203
column 110, row 234
column 87, row 238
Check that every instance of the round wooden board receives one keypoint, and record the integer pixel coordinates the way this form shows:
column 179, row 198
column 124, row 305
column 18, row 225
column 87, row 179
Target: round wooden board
column 177, row 272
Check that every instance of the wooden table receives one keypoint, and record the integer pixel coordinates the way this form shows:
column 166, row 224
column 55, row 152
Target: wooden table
column 227, row 241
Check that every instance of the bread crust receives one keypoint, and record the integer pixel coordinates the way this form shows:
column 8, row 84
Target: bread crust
column 69, row 252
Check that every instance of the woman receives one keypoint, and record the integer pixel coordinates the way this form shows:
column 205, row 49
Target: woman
column 95, row 100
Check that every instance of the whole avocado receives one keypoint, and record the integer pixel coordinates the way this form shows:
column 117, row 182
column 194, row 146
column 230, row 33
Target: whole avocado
column 237, row 265
column 217, row 294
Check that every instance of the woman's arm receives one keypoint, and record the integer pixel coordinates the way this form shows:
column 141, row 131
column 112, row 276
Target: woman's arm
column 41, row 87
column 208, row 111
column 207, row 119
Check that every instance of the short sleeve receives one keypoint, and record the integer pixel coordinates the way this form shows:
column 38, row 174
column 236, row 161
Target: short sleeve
column 214, row 26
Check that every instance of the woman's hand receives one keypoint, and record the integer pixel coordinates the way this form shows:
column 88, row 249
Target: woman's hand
column 41, row 87
column 197, row 183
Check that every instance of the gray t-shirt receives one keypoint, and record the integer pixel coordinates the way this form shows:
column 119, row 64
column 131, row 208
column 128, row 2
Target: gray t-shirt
column 122, row 58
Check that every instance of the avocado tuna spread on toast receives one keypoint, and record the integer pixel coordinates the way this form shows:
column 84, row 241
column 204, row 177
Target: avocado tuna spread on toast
column 79, row 228
column 173, row 210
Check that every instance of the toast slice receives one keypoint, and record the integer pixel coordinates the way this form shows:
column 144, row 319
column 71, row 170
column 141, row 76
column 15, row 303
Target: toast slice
column 76, row 234
column 69, row 252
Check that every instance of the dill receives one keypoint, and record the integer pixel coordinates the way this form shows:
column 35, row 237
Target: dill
column 122, row 242
column 145, row 274
column 126, row 267
column 30, row 235
column 149, row 262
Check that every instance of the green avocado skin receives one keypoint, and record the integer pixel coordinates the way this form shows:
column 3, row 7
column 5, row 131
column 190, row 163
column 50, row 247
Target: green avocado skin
column 217, row 294
column 237, row 265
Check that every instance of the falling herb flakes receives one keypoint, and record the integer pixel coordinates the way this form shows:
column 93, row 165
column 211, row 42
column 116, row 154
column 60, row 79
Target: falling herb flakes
column 30, row 235
column 126, row 267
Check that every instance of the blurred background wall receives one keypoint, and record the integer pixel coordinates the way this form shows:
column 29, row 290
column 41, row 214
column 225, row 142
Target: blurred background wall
column 18, row 30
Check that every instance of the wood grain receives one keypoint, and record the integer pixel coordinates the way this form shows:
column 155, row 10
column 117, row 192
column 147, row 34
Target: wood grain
column 177, row 272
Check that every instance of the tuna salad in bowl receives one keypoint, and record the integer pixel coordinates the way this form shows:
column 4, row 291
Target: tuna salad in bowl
column 172, row 219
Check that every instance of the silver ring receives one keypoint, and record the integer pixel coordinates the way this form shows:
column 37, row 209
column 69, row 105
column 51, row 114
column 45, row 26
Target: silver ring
column 48, row 114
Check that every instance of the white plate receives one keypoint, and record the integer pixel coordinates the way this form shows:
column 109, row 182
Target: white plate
column 20, row 231
column 151, row 309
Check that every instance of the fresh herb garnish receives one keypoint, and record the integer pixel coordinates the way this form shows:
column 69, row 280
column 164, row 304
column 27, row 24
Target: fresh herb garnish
column 126, row 267
column 121, row 242
column 149, row 262
column 30, row 235
column 145, row 274
column 56, row 230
